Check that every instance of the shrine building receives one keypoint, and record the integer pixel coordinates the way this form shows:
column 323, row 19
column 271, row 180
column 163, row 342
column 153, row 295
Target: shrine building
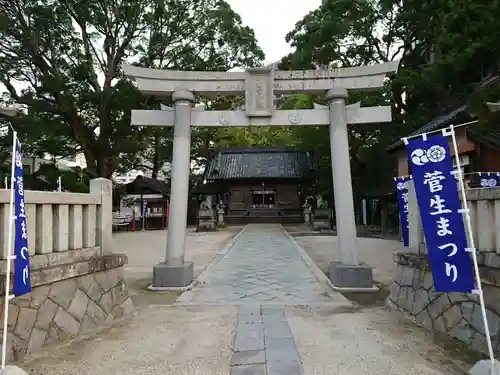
column 260, row 185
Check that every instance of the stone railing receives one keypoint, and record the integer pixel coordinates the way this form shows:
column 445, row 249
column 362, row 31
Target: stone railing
column 484, row 206
column 484, row 209
column 456, row 314
column 59, row 222
column 77, row 282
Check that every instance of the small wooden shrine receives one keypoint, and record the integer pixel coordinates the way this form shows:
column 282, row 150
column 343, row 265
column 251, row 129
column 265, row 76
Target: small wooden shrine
column 147, row 199
column 259, row 184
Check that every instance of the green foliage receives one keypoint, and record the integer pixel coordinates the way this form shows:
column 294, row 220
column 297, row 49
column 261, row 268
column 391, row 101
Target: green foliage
column 61, row 59
column 46, row 177
column 443, row 48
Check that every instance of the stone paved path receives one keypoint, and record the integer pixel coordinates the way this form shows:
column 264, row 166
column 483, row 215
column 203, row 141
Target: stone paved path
column 263, row 344
column 263, row 265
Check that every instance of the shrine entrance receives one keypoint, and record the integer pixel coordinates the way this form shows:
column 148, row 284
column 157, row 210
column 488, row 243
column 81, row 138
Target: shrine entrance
column 263, row 199
column 259, row 85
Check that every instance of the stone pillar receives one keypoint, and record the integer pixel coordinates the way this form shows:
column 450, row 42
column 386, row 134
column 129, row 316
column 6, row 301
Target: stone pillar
column 346, row 272
column 220, row 214
column 104, row 227
column 365, row 212
column 415, row 232
column 174, row 272
column 307, row 213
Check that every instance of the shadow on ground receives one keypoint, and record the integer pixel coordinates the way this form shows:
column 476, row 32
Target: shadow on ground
column 141, row 297
column 377, row 298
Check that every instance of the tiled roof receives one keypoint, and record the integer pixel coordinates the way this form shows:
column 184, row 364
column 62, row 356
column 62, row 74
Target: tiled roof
column 147, row 185
column 260, row 163
column 437, row 123
column 449, row 116
column 490, row 137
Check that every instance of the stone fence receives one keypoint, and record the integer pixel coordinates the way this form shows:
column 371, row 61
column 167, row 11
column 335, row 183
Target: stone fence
column 77, row 282
column 456, row 314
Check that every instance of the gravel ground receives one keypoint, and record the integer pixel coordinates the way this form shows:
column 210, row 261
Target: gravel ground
column 372, row 251
column 348, row 339
column 366, row 342
column 385, row 340
column 158, row 340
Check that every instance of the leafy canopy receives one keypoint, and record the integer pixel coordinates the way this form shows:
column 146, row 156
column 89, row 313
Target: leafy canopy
column 62, row 58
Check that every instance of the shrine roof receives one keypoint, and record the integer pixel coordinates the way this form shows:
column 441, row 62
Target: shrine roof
column 457, row 113
column 435, row 124
column 147, row 185
column 489, row 135
column 284, row 163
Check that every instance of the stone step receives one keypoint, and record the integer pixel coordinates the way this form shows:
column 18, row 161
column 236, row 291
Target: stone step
column 238, row 220
column 264, row 212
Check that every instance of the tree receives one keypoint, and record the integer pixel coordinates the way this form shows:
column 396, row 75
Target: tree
column 62, row 58
column 443, row 46
column 344, row 33
column 205, row 35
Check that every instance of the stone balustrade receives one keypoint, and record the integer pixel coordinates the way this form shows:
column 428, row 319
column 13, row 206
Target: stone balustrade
column 77, row 281
column 59, row 222
column 484, row 206
column 455, row 314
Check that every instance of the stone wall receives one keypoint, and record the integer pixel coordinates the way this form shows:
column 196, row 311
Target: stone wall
column 77, row 282
column 456, row 314
column 68, row 299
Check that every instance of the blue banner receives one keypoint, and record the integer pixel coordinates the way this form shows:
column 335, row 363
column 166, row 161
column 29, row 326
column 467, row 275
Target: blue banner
column 488, row 179
column 145, row 208
column 437, row 195
column 402, row 194
column 21, row 282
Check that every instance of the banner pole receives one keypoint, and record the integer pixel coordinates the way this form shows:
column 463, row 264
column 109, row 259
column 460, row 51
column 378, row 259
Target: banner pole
column 472, row 249
column 9, row 253
column 442, row 130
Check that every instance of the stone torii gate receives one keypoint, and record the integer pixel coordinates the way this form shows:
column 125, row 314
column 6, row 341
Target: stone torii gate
column 259, row 86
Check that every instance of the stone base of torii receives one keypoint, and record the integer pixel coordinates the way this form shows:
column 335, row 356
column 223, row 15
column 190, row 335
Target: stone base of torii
column 259, row 85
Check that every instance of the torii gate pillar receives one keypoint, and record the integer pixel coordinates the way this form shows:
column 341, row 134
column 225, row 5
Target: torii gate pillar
column 175, row 271
column 347, row 272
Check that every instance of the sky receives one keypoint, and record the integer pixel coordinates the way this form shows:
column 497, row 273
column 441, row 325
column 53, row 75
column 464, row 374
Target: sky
column 271, row 20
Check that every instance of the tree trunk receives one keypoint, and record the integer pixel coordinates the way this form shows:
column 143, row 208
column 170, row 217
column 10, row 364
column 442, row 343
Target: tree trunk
column 104, row 167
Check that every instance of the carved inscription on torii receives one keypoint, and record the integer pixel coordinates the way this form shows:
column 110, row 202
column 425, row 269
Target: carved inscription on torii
column 259, row 96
